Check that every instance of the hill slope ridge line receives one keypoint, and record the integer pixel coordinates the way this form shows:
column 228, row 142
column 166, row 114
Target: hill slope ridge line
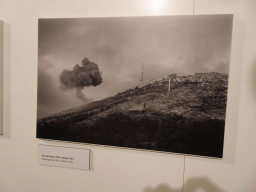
column 203, row 95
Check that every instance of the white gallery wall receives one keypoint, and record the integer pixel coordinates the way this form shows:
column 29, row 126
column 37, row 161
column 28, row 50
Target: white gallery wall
column 115, row 169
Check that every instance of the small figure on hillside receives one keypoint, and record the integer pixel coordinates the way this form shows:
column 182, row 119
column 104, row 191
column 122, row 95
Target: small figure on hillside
column 144, row 105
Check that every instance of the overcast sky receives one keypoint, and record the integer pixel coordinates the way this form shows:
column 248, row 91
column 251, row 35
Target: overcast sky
column 119, row 46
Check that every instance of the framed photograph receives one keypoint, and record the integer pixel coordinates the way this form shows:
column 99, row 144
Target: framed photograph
column 1, row 73
column 156, row 83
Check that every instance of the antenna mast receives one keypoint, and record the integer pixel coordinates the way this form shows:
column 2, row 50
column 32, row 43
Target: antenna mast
column 142, row 85
column 169, row 87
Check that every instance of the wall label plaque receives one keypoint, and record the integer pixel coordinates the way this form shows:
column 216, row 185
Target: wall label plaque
column 77, row 158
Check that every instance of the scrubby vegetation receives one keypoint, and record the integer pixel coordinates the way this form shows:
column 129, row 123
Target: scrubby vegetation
column 138, row 129
column 189, row 118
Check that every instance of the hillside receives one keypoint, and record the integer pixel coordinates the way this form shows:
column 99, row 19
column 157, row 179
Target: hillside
column 175, row 114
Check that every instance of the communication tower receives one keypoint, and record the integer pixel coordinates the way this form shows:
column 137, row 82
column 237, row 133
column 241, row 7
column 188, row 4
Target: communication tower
column 169, row 87
column 142, row 85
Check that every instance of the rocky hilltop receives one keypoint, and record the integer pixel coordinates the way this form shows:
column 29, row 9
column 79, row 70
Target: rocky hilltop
column 199, row 95
column 194, row 103
column 198, row 77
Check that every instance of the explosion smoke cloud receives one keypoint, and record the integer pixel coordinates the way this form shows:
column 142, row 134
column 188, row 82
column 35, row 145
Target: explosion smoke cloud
column 81, row 76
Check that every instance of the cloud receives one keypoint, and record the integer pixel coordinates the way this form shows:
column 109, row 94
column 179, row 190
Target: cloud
column 81, row 76
column 50, row 99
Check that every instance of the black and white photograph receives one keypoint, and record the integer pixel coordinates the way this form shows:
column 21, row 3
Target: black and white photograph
column 155, row 83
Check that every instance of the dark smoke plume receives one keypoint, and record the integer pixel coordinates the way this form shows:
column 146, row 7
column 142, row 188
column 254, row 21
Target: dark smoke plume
column 81, row 76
